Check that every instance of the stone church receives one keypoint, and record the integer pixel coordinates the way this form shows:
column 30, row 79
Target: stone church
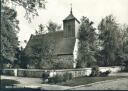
column 64, row 40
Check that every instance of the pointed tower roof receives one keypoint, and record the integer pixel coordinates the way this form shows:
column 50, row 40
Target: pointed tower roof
column 70, row 16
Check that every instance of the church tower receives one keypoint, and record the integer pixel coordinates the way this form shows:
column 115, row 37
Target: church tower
column 70, row 25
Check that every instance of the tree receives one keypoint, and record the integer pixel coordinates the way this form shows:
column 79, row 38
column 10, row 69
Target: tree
column 110, row 39
column 21, row 59
column 52, row 27
column 42, row 53
column 9, row 39
column 40, row 30
column 9, row 26
column 124, row 54
column 86, row 49
column 31, row 6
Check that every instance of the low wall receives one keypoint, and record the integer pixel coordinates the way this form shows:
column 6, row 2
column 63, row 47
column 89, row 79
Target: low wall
column 113, row 69
column 38, row 72
column 9, row 72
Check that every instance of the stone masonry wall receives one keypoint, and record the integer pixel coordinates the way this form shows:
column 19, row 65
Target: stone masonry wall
column 75, row 72
column 66, row 61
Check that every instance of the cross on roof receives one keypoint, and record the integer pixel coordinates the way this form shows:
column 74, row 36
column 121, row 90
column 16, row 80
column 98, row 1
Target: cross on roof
column 71, row 8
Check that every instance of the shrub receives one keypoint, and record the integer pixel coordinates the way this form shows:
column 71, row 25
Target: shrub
column 103, row 74
column 126, row 66
column 67, row 76
column 55, row 79
column 51, row 80
column 60, row 78
column 45, row 76
column 125, row 69
column 95, row 71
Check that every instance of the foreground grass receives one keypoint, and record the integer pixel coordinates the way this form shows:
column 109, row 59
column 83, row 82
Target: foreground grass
column 87, row 80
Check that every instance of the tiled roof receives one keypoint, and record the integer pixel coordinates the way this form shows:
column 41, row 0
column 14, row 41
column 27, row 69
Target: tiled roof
column 70, row 17
column 63, row 46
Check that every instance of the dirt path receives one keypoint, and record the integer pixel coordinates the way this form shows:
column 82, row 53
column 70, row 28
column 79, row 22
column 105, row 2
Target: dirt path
column 34, row 83
column 118, row 84
column 119, row 74
column 24, row 80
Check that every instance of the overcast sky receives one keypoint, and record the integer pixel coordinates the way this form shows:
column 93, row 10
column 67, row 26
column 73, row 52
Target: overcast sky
column 57, row 10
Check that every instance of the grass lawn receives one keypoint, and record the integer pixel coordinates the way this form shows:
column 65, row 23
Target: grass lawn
column 86, row 80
